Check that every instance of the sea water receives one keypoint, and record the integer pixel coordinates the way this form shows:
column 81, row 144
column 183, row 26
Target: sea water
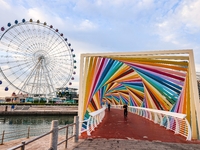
column 16, row 127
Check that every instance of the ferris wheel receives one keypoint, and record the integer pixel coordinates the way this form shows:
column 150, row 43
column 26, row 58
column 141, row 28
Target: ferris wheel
column 35, row 58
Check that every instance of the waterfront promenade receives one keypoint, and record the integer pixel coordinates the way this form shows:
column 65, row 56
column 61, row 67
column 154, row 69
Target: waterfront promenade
column 43, row 143
column 39, row 110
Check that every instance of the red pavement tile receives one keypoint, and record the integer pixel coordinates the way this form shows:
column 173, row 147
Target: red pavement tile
column 116, row 126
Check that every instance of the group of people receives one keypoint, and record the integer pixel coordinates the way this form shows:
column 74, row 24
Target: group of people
column 12, row 107
column 125, row 107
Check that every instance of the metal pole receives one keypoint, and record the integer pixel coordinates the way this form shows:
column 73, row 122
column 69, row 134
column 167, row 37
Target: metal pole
column 54, row 135
column 76, row 129
column 66, row 137
column 23, row 147
column 2, row 136
column 28, row 132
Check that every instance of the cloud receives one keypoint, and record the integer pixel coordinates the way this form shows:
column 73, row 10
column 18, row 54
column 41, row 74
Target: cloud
column 178, row 22
column 86, row 25
column 36, row 14
column 4, row 5
column 189, row 12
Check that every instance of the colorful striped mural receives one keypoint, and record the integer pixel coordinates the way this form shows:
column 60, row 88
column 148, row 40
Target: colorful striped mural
column 156, row 80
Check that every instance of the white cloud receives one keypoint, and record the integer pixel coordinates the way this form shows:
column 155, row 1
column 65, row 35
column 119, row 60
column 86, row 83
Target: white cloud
column 36, row 14
column 145, row 4
column 178, row 22
column 189, row 15
column 86, row 25
column 4, row 5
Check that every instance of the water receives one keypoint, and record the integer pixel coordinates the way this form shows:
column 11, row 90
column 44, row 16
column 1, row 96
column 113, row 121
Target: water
column 17, row 126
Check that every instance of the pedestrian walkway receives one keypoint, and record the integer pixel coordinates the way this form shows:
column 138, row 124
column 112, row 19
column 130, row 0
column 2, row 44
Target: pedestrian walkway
column 121, row 144
column 133, row 132
column 41, row 144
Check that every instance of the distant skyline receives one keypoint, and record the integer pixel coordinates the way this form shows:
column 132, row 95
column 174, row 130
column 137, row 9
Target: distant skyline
column 99, row 26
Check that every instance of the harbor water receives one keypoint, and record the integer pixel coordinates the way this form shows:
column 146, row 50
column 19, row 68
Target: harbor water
column 15, row 127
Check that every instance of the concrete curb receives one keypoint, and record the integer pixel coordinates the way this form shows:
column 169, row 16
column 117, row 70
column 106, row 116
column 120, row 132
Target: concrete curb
column 22, row 112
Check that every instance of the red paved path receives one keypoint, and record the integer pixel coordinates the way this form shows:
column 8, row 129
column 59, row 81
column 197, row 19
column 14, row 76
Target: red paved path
column 115, row 125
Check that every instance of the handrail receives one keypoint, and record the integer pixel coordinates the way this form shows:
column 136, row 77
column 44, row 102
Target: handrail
column 19, row 133
column 54, row 133
column 176, row 122
column 97, row 112
column 93, row 121
column 117, row 106
column 60, row 128
column 30, row 141
column 178, row 115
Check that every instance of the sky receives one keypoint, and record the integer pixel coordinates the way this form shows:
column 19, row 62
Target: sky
column 98, row 26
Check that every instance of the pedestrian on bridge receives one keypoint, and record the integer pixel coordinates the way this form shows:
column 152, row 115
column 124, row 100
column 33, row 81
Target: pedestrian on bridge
column 108, row 106
column 125, row 110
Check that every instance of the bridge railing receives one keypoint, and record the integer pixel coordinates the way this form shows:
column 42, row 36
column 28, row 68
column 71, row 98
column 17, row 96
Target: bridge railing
column 117, row 106
column 54, row 134
column 92, row 122
column 176, row 122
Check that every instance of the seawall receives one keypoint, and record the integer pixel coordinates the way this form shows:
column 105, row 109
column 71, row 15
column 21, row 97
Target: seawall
column 39, row 110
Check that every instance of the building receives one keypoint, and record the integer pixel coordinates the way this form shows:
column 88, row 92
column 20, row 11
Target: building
column 16, row 98
column 67, row 94
column 2, row 99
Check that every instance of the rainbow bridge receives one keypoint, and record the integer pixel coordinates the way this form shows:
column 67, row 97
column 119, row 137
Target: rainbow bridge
column 158, row 85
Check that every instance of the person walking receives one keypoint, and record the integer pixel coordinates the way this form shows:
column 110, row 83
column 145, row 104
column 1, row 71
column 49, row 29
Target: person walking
column 6, row 108
column 125, row 110
column 12, row 107
column 108, row 106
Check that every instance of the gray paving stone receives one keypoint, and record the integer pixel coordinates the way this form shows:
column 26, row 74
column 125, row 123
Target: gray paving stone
column 118, row 144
